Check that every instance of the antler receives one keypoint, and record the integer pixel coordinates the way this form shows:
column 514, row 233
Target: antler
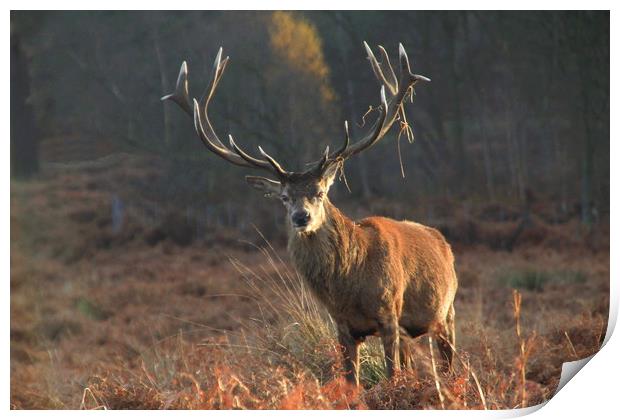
column 390, row 108
column 197, row 109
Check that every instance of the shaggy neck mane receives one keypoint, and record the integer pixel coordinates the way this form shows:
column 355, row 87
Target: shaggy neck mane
column 329, row 254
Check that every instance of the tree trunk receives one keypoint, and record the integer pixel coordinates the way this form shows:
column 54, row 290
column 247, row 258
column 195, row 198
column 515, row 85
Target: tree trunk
column 587, row 162
column 486, row 152
column 24, row 133
column 462, row 173
column 164, row 86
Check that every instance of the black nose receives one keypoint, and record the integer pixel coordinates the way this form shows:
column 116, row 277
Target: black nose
column 301, row 218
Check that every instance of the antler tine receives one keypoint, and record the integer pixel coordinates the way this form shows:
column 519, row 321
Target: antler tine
column 248, row 158
column 321, row 165
column 279, row 170
column 405, row 69
column 206, row 133
column 218, row 70
column 376, row 67
column 386, row 66
column 219, row 66
column 347, row 140
column 181, row 93
column 325, row 159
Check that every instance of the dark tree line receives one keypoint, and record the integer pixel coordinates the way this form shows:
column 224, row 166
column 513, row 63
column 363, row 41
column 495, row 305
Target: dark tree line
column 518, row 103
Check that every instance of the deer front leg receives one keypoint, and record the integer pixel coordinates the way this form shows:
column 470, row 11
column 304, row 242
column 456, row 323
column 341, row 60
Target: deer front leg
column 391, row 346
column 350, row 354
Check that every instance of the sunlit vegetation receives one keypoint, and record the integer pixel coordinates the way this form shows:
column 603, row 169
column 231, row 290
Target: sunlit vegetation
column 299, row 44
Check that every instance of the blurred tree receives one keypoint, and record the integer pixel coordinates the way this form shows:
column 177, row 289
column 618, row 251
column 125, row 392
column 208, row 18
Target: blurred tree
column 24, row 132
column 24, row 136
column 588, row 41
column 297, row 42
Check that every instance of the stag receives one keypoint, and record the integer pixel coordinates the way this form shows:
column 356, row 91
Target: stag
column 376, row 276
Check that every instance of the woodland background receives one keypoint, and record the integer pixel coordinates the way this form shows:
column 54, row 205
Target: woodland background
column 518, row 102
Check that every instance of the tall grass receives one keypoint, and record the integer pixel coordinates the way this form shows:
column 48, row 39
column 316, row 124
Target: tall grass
column 293, row 324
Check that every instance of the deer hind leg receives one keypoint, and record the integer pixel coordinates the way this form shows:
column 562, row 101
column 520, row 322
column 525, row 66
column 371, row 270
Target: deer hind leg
column 390, row 337
column 446, row 339
column 350, row 353
column 405, row 352
column 407, row 335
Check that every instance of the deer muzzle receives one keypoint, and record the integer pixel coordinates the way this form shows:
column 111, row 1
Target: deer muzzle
column 300, row 219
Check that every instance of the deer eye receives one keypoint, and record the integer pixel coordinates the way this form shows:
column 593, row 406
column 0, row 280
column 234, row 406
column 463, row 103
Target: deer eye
column 320, row 195
column 284, row 198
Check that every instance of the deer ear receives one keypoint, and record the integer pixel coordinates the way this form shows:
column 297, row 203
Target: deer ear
column 269, row 187
column 329, row 174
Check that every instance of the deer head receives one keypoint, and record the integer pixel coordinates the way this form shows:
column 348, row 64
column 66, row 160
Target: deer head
column 304, row 194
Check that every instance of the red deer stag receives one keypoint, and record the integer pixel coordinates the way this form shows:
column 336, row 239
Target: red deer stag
column 376, row 276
